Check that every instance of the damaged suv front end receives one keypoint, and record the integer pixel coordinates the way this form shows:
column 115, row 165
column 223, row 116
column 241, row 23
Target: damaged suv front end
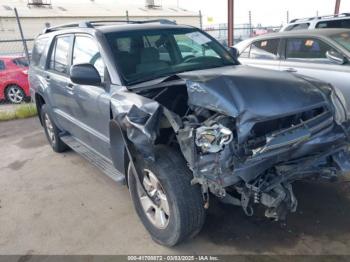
column 264, row 137
column 246, row 133
column 250, row 136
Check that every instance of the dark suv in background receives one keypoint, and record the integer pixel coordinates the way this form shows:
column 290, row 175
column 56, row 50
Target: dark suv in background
column 181, row 127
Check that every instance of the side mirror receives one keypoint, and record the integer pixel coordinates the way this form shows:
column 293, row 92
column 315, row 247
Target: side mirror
column 85, row 74
column 336, row 57
column 233, row 51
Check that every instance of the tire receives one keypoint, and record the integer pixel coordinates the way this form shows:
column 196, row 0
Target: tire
column 51, row 131
column 186, row 213
column 15, row 94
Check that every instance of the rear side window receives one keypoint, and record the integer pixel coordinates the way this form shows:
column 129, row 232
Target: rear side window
column 245, row 53
column 21, row 62
column 86, row 51
column 265, row 49
column 59, row 60
column 297, row 27
column 2, row 65
column 38, row 58
column 306, row 48
column 339, row 23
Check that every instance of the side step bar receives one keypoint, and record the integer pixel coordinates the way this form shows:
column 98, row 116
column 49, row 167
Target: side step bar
column 94, row 158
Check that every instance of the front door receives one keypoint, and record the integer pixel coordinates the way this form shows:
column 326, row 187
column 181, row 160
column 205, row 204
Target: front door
column 90, row 106
column 262, row 53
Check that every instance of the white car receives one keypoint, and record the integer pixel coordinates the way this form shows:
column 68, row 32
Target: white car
column 319, row 22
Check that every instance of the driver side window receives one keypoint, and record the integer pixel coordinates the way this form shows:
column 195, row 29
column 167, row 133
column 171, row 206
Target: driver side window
column 86, row 51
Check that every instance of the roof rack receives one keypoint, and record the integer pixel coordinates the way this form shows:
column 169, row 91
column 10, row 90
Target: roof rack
column 93, row 24
column 319, row 17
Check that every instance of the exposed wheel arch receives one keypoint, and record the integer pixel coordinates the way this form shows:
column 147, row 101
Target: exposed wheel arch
column 39, row 102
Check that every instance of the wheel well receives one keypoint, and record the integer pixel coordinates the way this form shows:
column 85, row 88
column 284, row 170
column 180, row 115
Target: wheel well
column 39, row 101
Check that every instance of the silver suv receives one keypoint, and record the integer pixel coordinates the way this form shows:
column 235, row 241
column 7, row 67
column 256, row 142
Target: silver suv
column 318, row 22
column 322, row 54
column 181, row 128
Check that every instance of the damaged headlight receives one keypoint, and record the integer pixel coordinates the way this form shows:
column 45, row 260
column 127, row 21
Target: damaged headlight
column 212, row 139
column 340, row 106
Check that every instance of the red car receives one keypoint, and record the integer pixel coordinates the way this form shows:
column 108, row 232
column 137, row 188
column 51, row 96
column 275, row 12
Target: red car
column 14, row 86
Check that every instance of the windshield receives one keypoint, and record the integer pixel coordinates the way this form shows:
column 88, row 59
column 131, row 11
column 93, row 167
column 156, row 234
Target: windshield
column 145, row 55
column 342, row 39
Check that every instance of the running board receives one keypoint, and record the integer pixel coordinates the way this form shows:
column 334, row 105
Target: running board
column 94, row 158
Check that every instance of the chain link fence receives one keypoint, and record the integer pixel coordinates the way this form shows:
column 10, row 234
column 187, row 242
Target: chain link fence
column 241, row 32
column 15, row 101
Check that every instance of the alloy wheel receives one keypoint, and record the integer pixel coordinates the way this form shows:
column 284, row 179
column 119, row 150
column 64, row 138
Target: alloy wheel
column 15, row 94
column 155, row 203
column 49, row 129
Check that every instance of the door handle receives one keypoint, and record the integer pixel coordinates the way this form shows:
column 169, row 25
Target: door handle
column 70, row 87
column 290, row 70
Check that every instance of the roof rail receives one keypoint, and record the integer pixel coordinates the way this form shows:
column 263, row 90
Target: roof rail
column 65, row 26
column 92, row 24
column 319, row 17
column 160, row 21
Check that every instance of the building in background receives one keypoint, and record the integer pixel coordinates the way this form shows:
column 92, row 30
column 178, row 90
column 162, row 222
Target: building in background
column 37, row 14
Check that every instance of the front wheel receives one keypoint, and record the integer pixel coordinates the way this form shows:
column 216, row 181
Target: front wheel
column 170, row 208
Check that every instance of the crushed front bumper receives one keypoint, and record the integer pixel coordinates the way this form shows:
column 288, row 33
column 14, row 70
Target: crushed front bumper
column 322, row 141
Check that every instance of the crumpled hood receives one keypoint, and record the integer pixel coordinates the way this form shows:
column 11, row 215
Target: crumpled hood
column 251, row 94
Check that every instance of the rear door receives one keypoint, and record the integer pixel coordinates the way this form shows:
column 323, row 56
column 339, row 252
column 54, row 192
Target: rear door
column 57, row 77
column 262, row 53
column 307, row 56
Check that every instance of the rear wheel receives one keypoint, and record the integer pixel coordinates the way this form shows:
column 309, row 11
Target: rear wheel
column 170, row 208
column 51, row 131
column 15, row 94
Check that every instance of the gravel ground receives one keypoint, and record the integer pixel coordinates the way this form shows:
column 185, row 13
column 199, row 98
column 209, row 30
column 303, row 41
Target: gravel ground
column 60, row 204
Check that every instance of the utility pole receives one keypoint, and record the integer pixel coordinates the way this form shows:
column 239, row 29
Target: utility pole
column 230, row 23
column 287, row 16
column 337, row 6
column 127, row 16
column 250, row 23
column 22, row 35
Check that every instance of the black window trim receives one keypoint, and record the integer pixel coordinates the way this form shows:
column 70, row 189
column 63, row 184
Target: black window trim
column 324, row 40
column 330, row 20
column 244, row 49
column 292, row 26
column 278, row 55
column 41, row 64
column 53, row 49
column 82, row 34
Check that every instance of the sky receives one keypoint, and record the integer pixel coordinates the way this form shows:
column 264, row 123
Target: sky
column 265, row 12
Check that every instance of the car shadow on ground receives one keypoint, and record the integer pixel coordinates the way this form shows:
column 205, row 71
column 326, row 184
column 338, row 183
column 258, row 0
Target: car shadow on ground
column 324, row 211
